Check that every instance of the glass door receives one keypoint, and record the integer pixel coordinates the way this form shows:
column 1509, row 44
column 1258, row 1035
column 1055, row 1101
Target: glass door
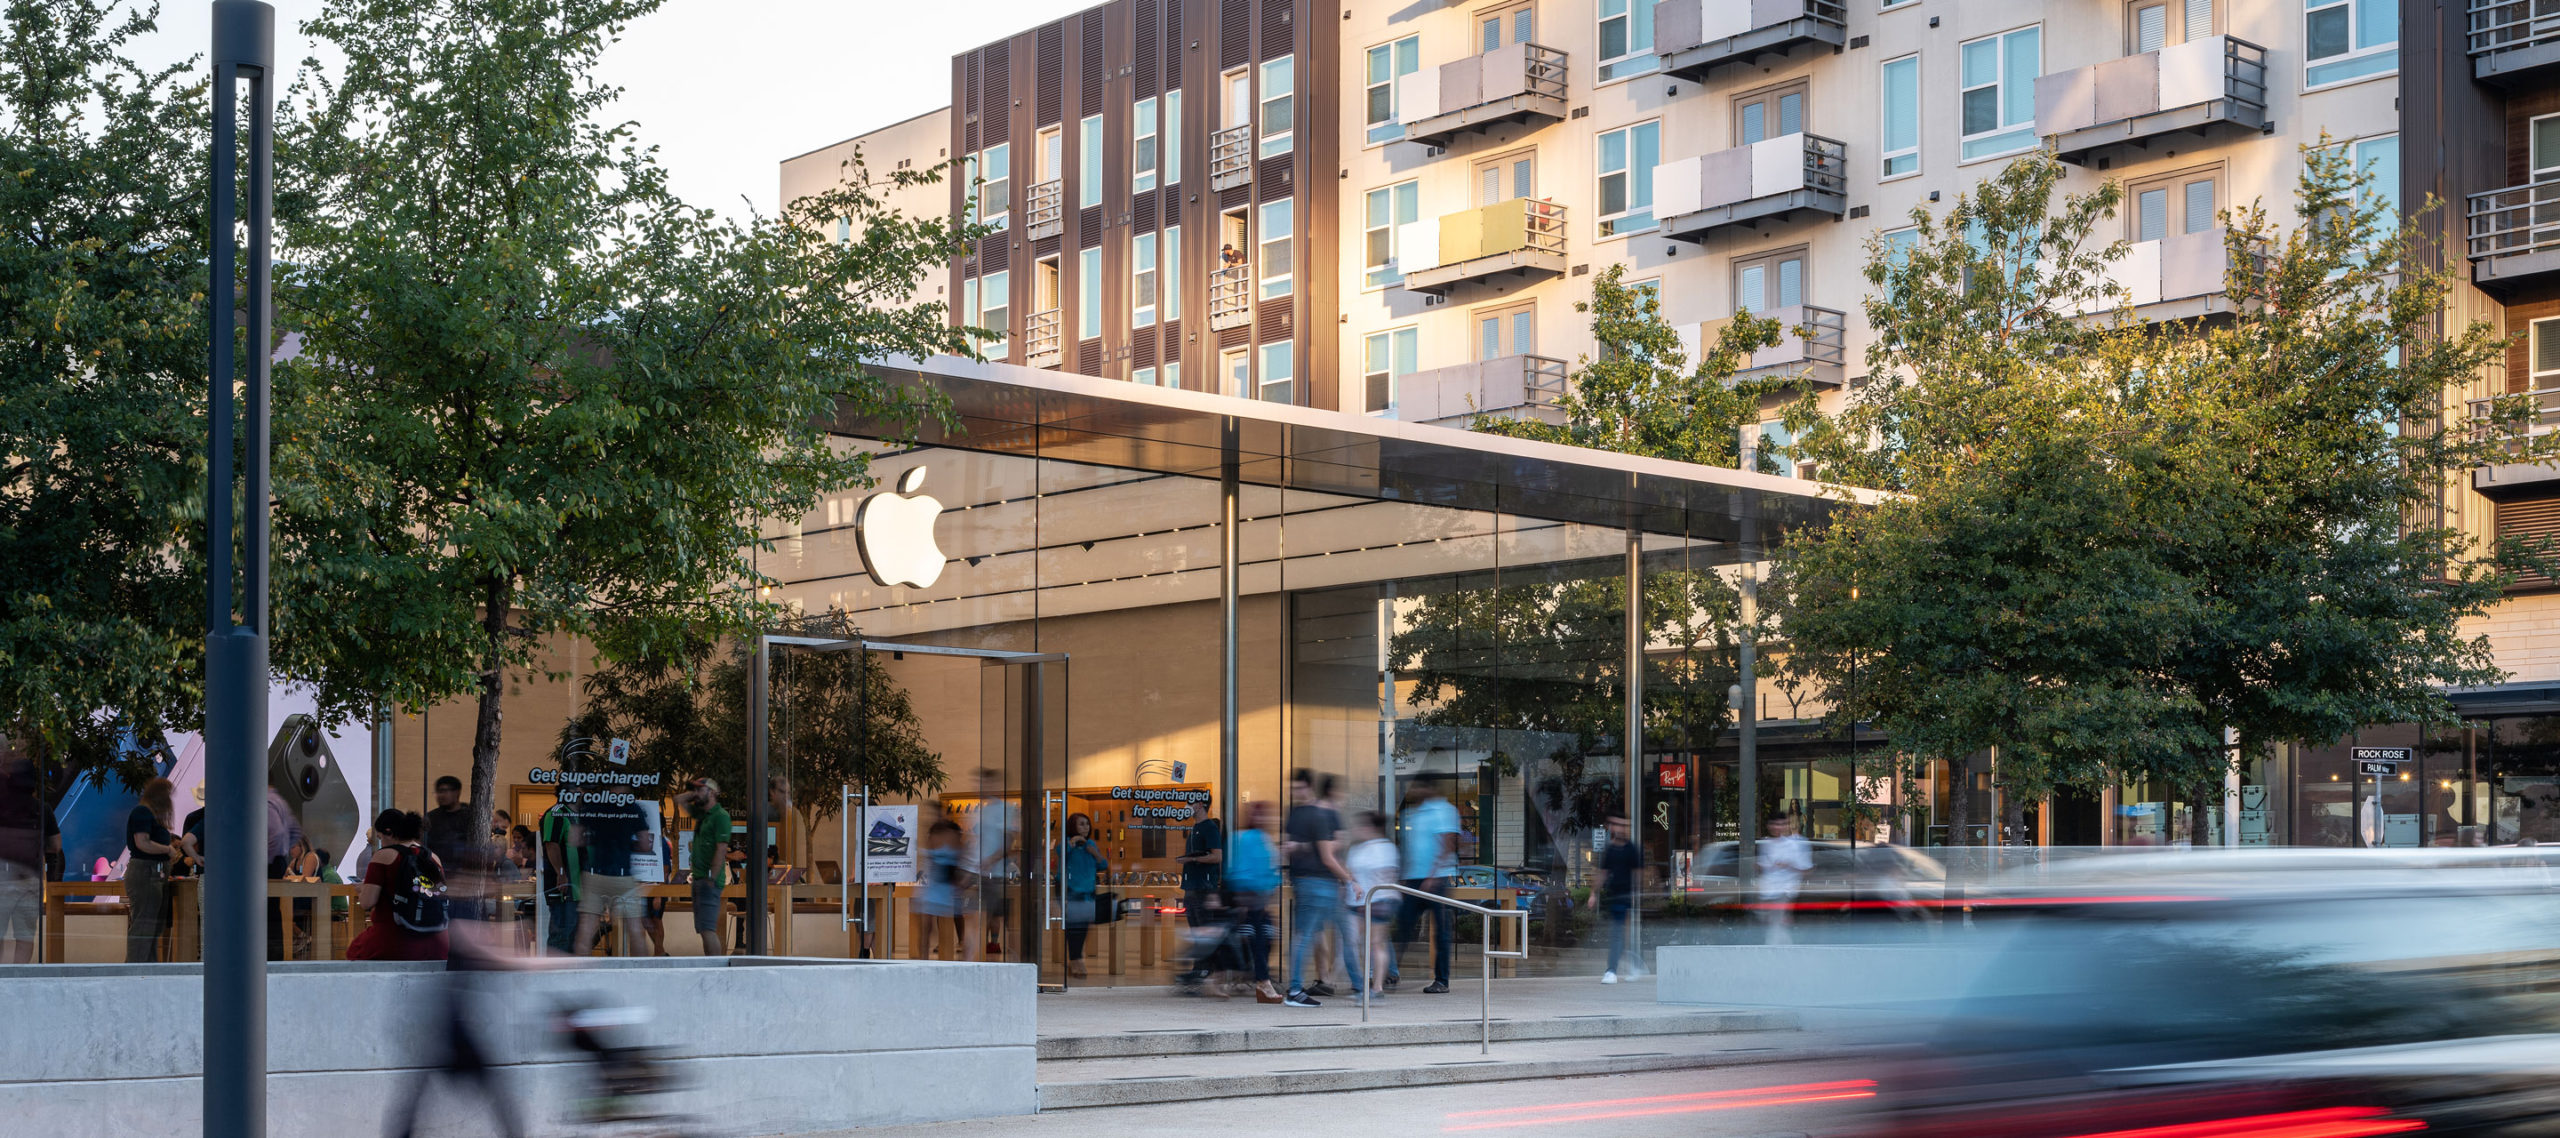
column 1024, row 905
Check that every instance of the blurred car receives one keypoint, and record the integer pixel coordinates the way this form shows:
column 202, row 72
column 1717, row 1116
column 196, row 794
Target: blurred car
column 1845, row 876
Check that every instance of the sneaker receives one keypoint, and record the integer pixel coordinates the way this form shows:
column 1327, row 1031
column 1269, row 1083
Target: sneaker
column 1377, row 997
column 1437, row 987
column 1298, row 999
column 1391, row 982
column 1608, row 977
column 1320, row 988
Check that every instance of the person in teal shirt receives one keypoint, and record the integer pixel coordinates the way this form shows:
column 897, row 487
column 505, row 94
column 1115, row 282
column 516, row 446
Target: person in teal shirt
column 709, row 864
column 1083, row 863
column 1253, row 876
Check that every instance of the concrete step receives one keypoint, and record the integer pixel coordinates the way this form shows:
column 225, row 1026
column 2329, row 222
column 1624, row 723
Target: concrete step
column 1068, row 1084
column 1340, row 1027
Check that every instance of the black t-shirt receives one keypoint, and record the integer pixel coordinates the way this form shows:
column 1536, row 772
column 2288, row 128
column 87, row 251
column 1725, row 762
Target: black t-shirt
column 143, row 821
column 1207, row 836
column 1309, row 825
column 23, row 819
column 610, row 827
column 449, row 834
column 1620, row 860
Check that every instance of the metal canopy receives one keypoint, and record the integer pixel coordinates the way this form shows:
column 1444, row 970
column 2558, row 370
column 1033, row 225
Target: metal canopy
column 1004, row 409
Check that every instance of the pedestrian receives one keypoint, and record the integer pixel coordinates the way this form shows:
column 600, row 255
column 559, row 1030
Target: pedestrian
column 1313, row 847
column 610, row 832
column 1373, row 863
column 284, row 831
column 449, row 835
column 464, row 1056
column 149, row 844
column 404, row 894
column 938, row 903
column 561, row 863
column 1618, row 866
column 22, row 834
column 1784, row 860
column 1430, row 849
column 653, row 909
column 711, row 830
column 1083, row 864
column 1204, row 856
column 994, row 849
column 1253, row 876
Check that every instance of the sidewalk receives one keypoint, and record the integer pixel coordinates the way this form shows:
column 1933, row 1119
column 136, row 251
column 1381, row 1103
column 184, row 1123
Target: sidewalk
column 1126, row 1011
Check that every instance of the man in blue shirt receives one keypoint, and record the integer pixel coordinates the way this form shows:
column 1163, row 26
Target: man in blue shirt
column 1430, row 847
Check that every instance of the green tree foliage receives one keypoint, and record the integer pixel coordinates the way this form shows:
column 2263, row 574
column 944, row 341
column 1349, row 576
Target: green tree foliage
column 537, row 396
column 2119, row 540
column 102, row 364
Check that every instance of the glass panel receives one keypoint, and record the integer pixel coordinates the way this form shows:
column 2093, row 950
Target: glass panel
column 2377, row 22
column 2200, row 214
column 1172, row 137
column 1489, row 338
column 1981, row 110
column 2151, row 215
column 1524, row 333
column 1791, row 113
column 2326, row 30
column 1790, row 282
column 2024, row 55
column 1524, row 26
column 1523, row 178
column 2150, row 28
column 1648, row 154
column 1089, row 293
column 2546, row 144
column 1981, row 62
column 1751, row 289
column 2199, row 19
column 1755, row 122
column 1172, row 288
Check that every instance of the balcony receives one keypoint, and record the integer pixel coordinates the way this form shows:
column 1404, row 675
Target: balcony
column 1521, row 239
column 1813, row 350
column 1697, row 36
column 1043, row 339
column 2514, row 43
column 2499, row 481
column 1506, row 387
column 2180, row 277
column 2190, row 90
column 1231, row 157
column 1522, row 83
column 1771, row 180
column 2515, row 236
column 1230, row 297
column 1044, row 214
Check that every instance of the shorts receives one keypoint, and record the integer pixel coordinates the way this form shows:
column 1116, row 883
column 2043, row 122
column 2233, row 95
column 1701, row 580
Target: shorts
column 601, row 895
column 21, row 902
column 706, row 906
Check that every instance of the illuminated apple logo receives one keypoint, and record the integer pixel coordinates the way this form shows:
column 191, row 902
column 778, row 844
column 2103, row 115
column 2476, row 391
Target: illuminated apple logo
column 894, row 532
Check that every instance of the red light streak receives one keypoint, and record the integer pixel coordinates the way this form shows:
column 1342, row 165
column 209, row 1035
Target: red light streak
column 2327, row 1122
column 1596, row 1110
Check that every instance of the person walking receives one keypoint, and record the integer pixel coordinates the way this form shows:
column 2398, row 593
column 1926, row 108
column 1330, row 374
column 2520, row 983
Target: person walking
column 466, row 1003
column 938, row 903
column 1430, row 848
column 22, row 833
column 1373, row 862
column 711, row 830
column 1253, row 876
column 611, row 833
column 1784, row 860
column 1203, row 861
column 149, row 845
column 404, row 893
column 1618, row 866
column 561, row 862
column 1314, row 850
column 1083, row 864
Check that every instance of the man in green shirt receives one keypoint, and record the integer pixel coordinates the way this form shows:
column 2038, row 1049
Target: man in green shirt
column 710, row 865
column 560, row 866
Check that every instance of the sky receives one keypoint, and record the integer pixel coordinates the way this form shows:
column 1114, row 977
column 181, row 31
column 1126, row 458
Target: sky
column 727, row 89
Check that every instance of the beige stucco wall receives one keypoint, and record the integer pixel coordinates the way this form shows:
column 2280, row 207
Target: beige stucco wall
column 919, row 143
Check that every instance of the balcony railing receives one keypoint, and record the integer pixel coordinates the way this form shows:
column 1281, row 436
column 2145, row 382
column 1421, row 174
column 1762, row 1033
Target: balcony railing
column 2197, row 87
column 2514, row 41
column 2515, row 234
column 2179, row 277
column 2542, row 417
column 1231, row 157
column 1697, row 36
column 1772, row 179
column 1522, row 83
column 1521, row 238
column 1043, row 339
column 1230, row 297
column 1506, row 387
column 1044, row 213
column 1813, row 347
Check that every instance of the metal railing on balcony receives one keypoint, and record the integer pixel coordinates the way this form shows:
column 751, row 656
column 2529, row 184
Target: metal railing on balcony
column 1043, row 339
column 2542, row 415
column 2515, row 232
column 2193, row 87
column 1520, row 236
column 1045, row 212
column 1230, row 297
column 1813, row 345
column 2510, row 37
column 1752, row 182
column 1231, row 157
column 1696, row 36
column 1524, row 82
column 1508, row 387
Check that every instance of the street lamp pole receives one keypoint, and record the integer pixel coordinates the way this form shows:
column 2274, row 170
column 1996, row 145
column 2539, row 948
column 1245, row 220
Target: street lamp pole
column 235, row 727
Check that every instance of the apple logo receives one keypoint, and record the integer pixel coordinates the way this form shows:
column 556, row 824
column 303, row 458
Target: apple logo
column 894, row 532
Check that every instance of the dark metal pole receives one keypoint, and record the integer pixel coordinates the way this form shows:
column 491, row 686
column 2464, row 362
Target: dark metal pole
column 1635, row 716
column 235, row 956
column 759, row 690
column 1747, row 708
column 1230, row 777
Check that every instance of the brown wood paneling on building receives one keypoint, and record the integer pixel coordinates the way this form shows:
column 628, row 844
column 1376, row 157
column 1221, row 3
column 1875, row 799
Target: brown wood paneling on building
column 995, row 109
column 2520, row 318
column 1049, row 72
column 1171, row 338
column 1147, row 48
column 2535, row 521
column 1235, row 33
column 1091, row 69
column 1277, row 16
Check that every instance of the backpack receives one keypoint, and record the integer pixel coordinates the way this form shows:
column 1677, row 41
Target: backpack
column 417, row 893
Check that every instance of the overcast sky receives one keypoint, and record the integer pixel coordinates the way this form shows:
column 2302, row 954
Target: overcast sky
column 727, row 89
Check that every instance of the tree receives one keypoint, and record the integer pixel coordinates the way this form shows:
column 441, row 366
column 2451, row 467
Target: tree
column 538, row 397
column 103, row 302
column 2117, row 542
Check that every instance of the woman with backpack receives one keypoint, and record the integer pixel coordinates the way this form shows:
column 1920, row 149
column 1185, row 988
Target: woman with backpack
column 404, row 893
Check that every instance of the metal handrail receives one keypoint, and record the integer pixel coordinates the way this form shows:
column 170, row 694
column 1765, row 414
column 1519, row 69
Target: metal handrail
column 1826, row 164
column 2505, row 25
column 1542, row 226
column 1045, row 209
column 2542, row 417
column 2515, row 220
column 1230, row 296
column 1042, row 338
column 1544, row 70
column 1231, row 156
column 1542, row 380
column 1369, row 946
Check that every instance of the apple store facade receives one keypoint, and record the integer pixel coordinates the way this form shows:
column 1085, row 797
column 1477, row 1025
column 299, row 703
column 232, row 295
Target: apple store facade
column 1148, row 606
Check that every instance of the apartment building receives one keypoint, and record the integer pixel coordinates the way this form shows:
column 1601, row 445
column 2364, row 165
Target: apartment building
column 918, row 143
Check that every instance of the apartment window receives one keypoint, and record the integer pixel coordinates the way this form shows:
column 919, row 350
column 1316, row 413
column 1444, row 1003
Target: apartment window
column 2378, row 159
column 1768, row 282
column 1901, row 116
column 1275, row 249
column 1390, row 208
column 2174, row 203
column 1390, row 356
column 1506, row 177
column 1052, row 156
column 995, row 294
column 1774, row 113
column 1235, row 372
column 1172, row 373
column 1172, row 137
column 1898, row 244
column 1089, row 292
column 1510, row 330
column 1389, row 62
column 1144, row 377
column 1279, row 368
column 2154, row 24
column 1510, row 23
column 2545, row 352
column 969, row 314
column 1626, row 39
column 844, row 231
column 1627, row 158
column 1169, row 296
column 995, row 195
column 2000, row 92
column 1279, row 79
column 1142, row 149
column 1142, row 281
column 2349, row 39
column 1089, row 161
column 1775, row 441
column 1894, row 3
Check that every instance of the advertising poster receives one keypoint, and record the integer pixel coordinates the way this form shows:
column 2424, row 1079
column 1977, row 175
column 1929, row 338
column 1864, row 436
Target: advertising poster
column 889, row 846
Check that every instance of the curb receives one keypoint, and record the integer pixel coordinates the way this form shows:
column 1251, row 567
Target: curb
column 1187, row 1088
column 1286, row 1038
